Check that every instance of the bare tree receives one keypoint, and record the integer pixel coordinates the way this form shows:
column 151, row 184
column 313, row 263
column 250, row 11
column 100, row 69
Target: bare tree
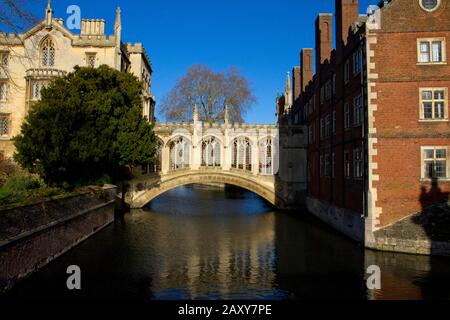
column 15, row 17
column 211, row 92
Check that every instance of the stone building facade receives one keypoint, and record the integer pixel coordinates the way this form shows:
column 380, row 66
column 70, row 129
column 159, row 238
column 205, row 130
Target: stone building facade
column 29, row 61
column 377, row 114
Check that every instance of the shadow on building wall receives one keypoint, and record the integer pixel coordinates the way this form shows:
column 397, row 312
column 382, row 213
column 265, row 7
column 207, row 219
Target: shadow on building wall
column 435, row 214
column 435, row 221
column 291, row 178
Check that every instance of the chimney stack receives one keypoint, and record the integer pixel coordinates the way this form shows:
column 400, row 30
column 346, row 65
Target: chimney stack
column 92, row 27
column 324, row 38
column 296, row 82
column 307, row 67
column 346, row 14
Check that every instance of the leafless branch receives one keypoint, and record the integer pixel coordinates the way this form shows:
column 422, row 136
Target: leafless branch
column 211, row 92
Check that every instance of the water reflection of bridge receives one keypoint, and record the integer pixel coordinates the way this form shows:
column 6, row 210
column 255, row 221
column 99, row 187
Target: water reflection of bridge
column 214, row 257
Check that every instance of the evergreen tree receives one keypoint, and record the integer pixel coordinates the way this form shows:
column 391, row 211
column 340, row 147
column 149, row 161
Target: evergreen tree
column 88, row 124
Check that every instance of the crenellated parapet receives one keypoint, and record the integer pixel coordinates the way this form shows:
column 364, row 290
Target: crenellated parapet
column 44, row 73
column 138, row 48
column 171, row 126
column 10, row 39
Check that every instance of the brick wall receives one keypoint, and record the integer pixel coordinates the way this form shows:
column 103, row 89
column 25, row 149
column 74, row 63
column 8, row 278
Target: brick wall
column 400, row 133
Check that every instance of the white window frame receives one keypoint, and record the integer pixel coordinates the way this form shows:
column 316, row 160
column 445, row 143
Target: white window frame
column 358, row 164
column 424, row 159
column 430, row 42
column 433, row 103
column 358, row 111
column 430, row 10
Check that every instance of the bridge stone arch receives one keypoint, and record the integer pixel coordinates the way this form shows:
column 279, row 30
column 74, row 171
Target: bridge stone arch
column 144, row 191
column 260, row 174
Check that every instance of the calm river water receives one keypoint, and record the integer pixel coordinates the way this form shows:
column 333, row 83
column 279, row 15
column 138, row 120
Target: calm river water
column 199, row 243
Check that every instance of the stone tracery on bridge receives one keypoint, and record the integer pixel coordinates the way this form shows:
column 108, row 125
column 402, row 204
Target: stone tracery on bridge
column 240, row 154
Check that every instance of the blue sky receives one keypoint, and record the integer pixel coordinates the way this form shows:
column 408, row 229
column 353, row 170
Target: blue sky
column 261, row 38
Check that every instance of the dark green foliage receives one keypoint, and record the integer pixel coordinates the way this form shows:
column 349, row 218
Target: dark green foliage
column 88, row 124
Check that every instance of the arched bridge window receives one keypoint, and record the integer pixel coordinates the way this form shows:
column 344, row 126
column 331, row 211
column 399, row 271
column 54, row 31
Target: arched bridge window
column 48, row 53
column 242, row 154
column 211, row 152
column 266, row 157
column 179, row 154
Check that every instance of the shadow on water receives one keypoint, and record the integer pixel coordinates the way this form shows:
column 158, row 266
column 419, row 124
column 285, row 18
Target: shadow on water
column 211, row 244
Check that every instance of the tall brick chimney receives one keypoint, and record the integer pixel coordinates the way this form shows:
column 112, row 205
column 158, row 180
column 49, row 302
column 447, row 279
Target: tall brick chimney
column 324, row 38
column 296, row 82
column 346, row 13
column 306, row 66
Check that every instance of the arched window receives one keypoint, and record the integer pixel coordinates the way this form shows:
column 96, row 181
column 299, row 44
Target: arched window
column 48, row 53
column 179, row 154
column 242, row 154
column 266, row 157
column 210, row 152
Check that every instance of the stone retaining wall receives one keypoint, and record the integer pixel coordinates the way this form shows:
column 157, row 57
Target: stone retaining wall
column 345, row 221
column 32, row 236
column 425, row 233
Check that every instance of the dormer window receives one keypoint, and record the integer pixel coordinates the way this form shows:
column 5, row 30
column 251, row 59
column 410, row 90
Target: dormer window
column 429, row 5
column 48, row 53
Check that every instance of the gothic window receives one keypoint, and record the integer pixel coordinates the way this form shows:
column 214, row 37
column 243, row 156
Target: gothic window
column 266, row 157
column 4, row 59
column 3, row 91
column 90, row 59
column 179, row 154
column 211, row 152
column 4, row 125
column 36, row 88
column 242, row 154
column 48, row 53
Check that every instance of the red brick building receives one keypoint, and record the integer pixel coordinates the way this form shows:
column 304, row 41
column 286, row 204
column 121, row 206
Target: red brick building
column 377, row 113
